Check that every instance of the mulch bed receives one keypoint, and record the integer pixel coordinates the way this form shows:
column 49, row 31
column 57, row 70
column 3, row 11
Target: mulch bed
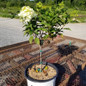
column 67, row 54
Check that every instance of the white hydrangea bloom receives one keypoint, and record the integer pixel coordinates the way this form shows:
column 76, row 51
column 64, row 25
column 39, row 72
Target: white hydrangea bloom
column 26, row 14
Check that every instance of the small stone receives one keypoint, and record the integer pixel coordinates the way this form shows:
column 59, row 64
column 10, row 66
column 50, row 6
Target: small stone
column 42, row 78
column 44, row 71
column 46, row 74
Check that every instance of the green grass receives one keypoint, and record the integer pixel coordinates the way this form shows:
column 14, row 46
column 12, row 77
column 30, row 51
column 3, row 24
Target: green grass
column 78, row 16
column 81, row 16
column 81, row 19
column 10, row 12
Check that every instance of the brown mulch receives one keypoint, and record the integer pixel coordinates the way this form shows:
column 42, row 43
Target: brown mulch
column 69, row 59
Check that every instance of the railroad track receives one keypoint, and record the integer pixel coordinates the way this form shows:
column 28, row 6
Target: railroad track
column 16, row 57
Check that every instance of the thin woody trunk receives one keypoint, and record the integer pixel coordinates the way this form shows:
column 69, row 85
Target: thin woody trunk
column 41, row 43
column 41, row 57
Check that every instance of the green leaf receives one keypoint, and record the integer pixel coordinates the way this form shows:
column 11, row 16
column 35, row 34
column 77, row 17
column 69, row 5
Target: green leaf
column 67, row 29
column 37, row 41
column 25, row 33
column 46, row 36
column 30, row 32
column 53, row 31
column 31, row 39
column 44, row 29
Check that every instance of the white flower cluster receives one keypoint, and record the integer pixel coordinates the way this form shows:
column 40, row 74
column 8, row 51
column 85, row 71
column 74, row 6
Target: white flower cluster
column 26, row 14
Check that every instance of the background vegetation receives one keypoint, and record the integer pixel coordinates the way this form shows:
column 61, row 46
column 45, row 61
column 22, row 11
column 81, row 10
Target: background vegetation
column 10, row 8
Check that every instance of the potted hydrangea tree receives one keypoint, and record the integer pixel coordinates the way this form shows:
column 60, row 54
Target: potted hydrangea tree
column 41, row 23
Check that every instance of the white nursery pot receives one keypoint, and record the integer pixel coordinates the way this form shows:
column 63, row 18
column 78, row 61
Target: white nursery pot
column 34, row 82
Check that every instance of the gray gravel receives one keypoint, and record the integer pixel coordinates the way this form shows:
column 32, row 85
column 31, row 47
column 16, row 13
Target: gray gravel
column 11, row 31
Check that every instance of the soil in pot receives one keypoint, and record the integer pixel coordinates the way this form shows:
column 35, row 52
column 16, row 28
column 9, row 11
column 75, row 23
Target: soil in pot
column 46, row 73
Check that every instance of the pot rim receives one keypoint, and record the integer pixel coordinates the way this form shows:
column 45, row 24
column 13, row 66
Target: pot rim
column 35, row 80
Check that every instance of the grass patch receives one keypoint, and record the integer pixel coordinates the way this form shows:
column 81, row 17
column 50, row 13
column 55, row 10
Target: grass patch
column 10, row 12
column 78, row 16
column 82, row 12
column 81, row 19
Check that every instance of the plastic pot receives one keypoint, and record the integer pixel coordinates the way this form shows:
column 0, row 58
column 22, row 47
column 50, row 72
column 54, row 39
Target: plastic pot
column 34, row 82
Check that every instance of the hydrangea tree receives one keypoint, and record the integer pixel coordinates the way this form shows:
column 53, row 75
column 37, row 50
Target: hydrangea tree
column 44, row 22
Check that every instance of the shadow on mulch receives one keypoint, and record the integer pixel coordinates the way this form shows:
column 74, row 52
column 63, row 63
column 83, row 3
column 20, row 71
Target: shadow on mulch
column 75, row 79
column 24, row 83
column 61, row 71
column 66, row 49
